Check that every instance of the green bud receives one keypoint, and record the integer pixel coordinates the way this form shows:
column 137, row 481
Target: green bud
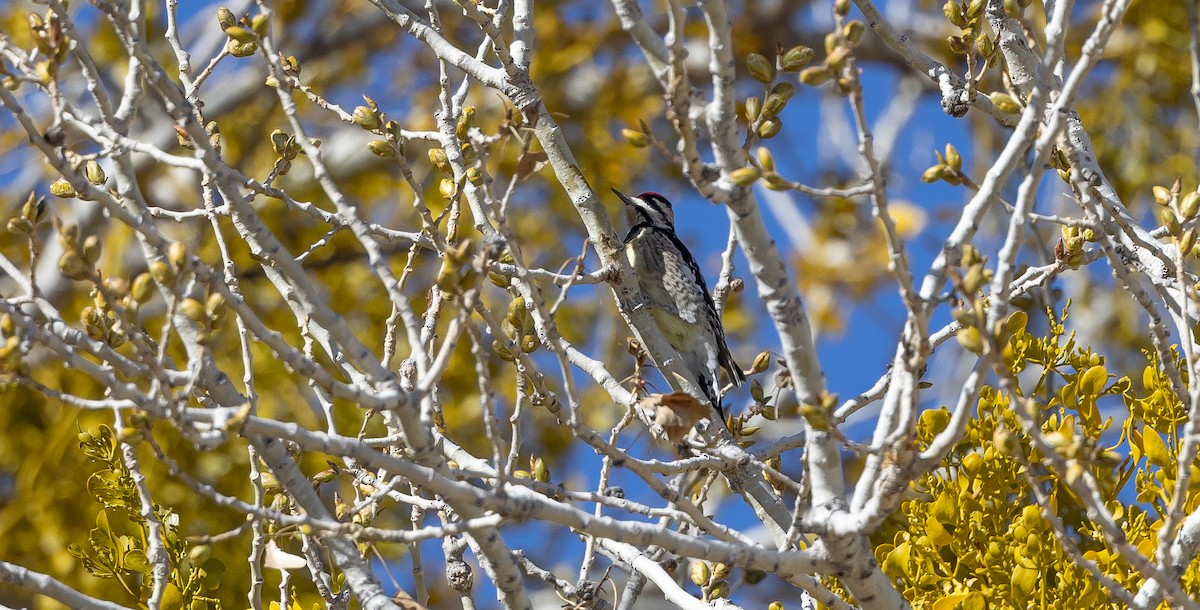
column 934, row 173
column 815, row 76
column 192, row 310
column 971, row 339
column 259, row 24
column 773, row 105
column 34, row 209
column 241, row 49
column 94, row 173
column 71, row 265
column 474, row 176
column 141, row 288
column 841, row 7
column 463, row 128
column 796, row 58
column 635, row 138
column 239, row 33
column 700, row 573
column 438, row 157
column 770, row 128
column 953, row 159
column 366, row 118
column 226, row 18
column 743, row 176
column 62, row 188
column 1190, row 205
column 853, row 32
column 954, row 14
column 775, row 182
column 761, row 362
column 20, row 226
column 381, row 149
column 177, row 254
column 760, row 68
column 162, row 272
column 765, row 159
column 835, row 59
column 1005, row 102
column 91, row 249
column 753, row 107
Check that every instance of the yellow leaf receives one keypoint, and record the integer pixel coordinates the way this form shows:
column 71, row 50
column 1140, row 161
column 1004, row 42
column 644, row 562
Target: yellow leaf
column 937, row 533
column 172, row 598
column 1091, row 381
column 896, row 563
column 1024, row 582
column 961, row 601
column 1155, row 449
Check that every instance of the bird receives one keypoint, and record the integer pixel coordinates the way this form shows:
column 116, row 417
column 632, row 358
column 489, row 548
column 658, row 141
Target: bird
column 679, row 301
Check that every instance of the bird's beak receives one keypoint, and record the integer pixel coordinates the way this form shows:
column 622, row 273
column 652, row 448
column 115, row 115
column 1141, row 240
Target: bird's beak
column 625, row 198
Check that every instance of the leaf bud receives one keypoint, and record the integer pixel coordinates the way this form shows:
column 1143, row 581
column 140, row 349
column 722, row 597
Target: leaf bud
column 62, row 188
column 796, row 58
column 635, row 138
column 753, row 108
column 259, row 24
column 192, row 310
column 239, row 33
column 760, row 68
column 853, row 32
column 775, row 182
column 971, row 339
column 241, row 49
column 540, row 472
column 1005, row 102
column 934, row 173
column 381, row 149
column 141, row 288
column 214, row 305
column 94, row 173
column 225, row 18
column 446, row 188
column 953, row 159
column 437, row 156
column 761, row 362
column 770, row 128
column 775, row 605
column 837, row 57
column 743, row 176
column 841, row 7
column 162, row 272
column 1162, row 196
column 815, row 76
column 700, row 573
column 719, row 590
column 34, row 209
column 1188, row 241
column 71, row 265
column 474, row 176
column 465, row 121
column 756, row 390
column 1190, row 205
column 773, row 105
column 20, row 226
column 91, row 249
column 954, row 14
column 784, row 89
column 366, row 118
column 177, row 254
column 765, row 159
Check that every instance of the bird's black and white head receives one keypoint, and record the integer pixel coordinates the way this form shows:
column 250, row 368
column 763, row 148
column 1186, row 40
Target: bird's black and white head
column 649, row 209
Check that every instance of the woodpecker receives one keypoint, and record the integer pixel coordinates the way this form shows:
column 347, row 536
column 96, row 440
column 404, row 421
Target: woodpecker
column 678, row 296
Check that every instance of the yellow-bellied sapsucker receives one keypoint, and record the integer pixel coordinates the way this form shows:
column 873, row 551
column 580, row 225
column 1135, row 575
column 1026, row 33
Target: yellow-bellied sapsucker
column 680, row 303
